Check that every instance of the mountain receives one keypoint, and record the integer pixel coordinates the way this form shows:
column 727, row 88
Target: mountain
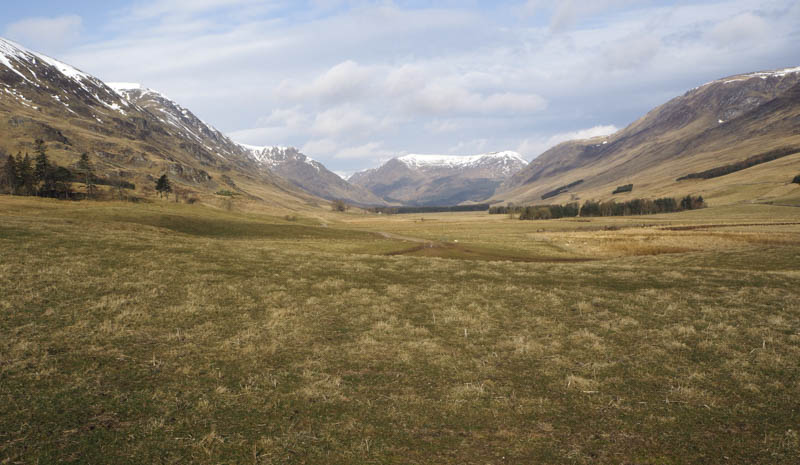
column 128, row 131
column 310, row 175
column 437, row 180
column 721, row 123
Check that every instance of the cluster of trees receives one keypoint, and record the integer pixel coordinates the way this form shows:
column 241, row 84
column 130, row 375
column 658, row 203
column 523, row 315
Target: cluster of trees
column 548, row 212
column 561, row 190
column 623, row 189
column 738, row 166
column 796, row 179
column 641, row 206
column 610, row 208
column 39, row 176
column 537, row 212
column 432, row 209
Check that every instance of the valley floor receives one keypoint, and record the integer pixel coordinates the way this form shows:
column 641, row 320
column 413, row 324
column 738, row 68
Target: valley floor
column 164, row 333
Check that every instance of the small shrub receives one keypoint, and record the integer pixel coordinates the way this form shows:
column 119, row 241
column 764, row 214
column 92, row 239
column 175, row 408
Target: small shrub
column 796, row 179
column 192, row 200
column 339, row 206
column 225, row 193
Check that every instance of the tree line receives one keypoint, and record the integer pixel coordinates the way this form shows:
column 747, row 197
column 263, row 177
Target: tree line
column 23, row 175
column 430, row 209
column 39, row 176
column 561, row 189
column 597, row 209
column 623, row 189
column 738, row 166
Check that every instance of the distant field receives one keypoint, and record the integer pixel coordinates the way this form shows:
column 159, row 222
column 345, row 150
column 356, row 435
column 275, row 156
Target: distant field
column 164, row 333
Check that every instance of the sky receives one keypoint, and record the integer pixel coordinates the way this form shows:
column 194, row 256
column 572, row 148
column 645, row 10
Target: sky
column 353, row 83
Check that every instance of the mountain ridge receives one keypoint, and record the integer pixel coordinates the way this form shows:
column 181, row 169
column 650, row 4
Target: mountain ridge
column 426, row 180
column 132, row 131
column 705, row 127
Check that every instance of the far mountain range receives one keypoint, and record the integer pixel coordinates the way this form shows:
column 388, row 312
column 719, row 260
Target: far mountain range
column 138, row 134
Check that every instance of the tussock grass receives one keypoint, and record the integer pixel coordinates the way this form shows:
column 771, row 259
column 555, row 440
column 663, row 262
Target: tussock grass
column 126, row 340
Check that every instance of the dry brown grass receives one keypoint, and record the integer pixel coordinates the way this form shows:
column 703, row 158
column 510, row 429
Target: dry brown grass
column 129, row 341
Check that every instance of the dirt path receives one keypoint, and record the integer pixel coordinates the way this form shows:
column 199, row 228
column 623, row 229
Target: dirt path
column 723, row 225
column 406, row 238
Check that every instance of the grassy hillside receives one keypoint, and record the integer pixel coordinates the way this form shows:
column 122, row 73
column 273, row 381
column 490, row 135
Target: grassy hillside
column 174, row 333
column 722, row 123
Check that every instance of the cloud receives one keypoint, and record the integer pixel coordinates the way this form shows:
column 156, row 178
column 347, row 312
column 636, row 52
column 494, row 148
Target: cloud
column 47, row 34
column 343, row 119
column 370, row 150
column 565, row 14
column 746, row 28
column 345, row 81
column 320, row 147
column 353, row 81
column 633, row 52
column 183, row 8
column 470, row 147
column 531, row 148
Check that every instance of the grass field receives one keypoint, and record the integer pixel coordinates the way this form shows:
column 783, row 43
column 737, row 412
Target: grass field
column 165, row 333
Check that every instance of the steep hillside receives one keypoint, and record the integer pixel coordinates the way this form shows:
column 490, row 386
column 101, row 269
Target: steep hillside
column 719, row 123
column 311, row 175
column 130, row 132
column 440, row 179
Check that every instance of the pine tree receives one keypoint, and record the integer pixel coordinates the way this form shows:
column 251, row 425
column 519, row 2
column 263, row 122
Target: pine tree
column 41, row 161
column 162, row 185
column 25, row 174
column 87, row 172
column 42, row 168
column 10, row 179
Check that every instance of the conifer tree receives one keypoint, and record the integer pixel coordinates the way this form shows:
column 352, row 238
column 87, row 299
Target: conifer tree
column 87, row 172
column 41, row 168
column 163, row 186
column 10, row 176
column 41, row 161
column 25, row 174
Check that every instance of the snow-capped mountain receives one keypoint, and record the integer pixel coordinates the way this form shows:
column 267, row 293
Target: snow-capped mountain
column 310, row 174
column 497, row 164
column 128, row 131
column 440, row 179
column 718, row 123
column 139, row 133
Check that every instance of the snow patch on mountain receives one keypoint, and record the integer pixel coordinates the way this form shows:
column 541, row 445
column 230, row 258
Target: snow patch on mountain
column 274, row 156
column 507, row 160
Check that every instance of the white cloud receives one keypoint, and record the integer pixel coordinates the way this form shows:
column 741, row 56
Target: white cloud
column 343, row 119
column 160, row 8
column 442, row 126
column 292, row 117
column 470, row 147
column 370, row 150
column 345, row 81
column 339, row 75
column 564, row 14
column 531, row 148
column 745, row 28
column 320, row 147
column 47, row 34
